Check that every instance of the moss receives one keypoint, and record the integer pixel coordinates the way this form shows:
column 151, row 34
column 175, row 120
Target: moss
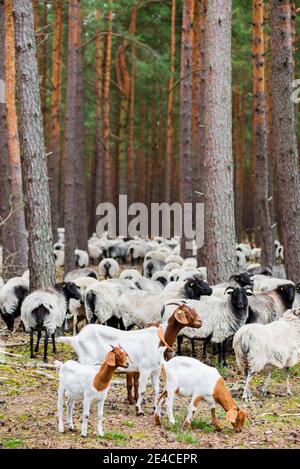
column 12, row 443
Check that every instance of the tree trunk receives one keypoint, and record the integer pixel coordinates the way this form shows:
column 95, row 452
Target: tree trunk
column 34, row 166
column 15, row 241
column 169, row 135
column 107, row 192
column 186, row 90
column 284, row 136
column 80, row 194
column 259, row 121
column 219, row 200
column 70, row 138
column 54, row 131
column 99, row 127
column 130, row 155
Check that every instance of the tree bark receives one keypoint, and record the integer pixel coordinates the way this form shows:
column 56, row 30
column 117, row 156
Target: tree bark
column 186, row 90
column 169, row 133
column 54, row 131
column 107, row 192
column 260, row 134
column 131, row 156
column 33, row 157
column 99, row 125
column 219, row 200
column 80, row 194
column 70, row 138
column 284, row 135
column 15, row 241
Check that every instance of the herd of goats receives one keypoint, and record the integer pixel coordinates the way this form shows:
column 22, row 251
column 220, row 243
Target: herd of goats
column 129, row 321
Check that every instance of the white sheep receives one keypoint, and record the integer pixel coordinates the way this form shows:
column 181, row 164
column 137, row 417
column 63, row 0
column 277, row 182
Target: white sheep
column 150, row 266
column 171, row 266
column 82, row 258
column 46, row 309
column 87, row 383
column 161, row 276
column 95, row 252
column 190, row 262
column 174, row 258
column 221, row 317
column 130, row 274
column 190, row 377
column 12, row 295
column 269, row 306
column 109, row 268
column 101, row 301
column 266, row 283
column 72, row 275
column 59, row 258
column 76, row 307
column 275, row 345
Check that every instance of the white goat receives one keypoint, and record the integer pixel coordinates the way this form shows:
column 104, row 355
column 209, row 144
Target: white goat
column 79, row 382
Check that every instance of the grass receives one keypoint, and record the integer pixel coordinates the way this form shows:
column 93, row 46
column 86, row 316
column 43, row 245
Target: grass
column 128, row 423
column 12, row 443
column 184, row 437
column 203, row 426
column 115, row 436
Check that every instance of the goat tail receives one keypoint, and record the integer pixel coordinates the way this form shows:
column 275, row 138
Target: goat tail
column 58, row 365
column 40, row 314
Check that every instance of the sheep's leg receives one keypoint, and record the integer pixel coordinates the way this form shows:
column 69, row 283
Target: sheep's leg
column 161, row 400
column 155, row 385
column 60, row 408
column 141, row 392
column 53, row 343
column 85, row 417
column 38, row 341
column 224, row 346
column 31, row 345
column 179, row 343
column 287, row 381
column 129, row 384
column 46, row 346
column 70, row 409
column 100, row 417
column 247, row 393
column 264, row 390
column 170, row 402
column 193, row 348
column 74, row 323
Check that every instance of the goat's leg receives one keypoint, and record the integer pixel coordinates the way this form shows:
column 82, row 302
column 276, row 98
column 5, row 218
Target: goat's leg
column 161, row 400
column 46, row 346
column 129, row 384
column 53, row 343
column 136, row 377
column 179, row 343
column 191, row 410
column 155, row 384
column 170, row 402
column 247, row 393
column 100, row 417
column 31, row 345
column 60, row 408
column 214, row 419
column 70, row 409
column 287, row 381
column 141, row 392
column 38, row 341
column 264, row 390
column 85, row 416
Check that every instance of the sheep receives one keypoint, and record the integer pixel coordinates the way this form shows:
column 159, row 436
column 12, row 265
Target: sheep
column 221, row 318
column 1, row 282
column 59, row 246
column 46, row 309
column 242, row 279
column 61, row 235
column 76, row 307
column 130, row 274
column 267, row 283
column 171, row 266
column 190, row 262
column 95, row 253
column 118, row 251
column 190, row 377
column 296, row 303
column 12, row 295
column 79, row 382
column 136, row 252
column 101, row 302
column 59, row 258
column 77, row 273
column 266, row 346
column 245, row 249
column 279, row 254
column 241, row 260
column 269, row 306
column 150, row 266
column 161, row 276
column 109, row 268
column 140, row 308
column 159, row 256
column 174, row 258
column 82, row 258
column 141, row 282
column 173, row 276
column 92, row 343
column 26, row 275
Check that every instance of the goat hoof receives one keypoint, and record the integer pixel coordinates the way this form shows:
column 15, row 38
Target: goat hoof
column 71, row 428
column 131, row 400
column 186, row 425
column 218, row 429
column 140, row 413
column 157, row 420
column 61, row 428
column 289, row 392
column 84, row 435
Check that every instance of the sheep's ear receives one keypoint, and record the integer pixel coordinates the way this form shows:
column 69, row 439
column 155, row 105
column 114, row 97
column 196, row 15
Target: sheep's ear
column 232, row 415
column 229, row 291
column 110, row 359
column 180, row 316
column 249, row 292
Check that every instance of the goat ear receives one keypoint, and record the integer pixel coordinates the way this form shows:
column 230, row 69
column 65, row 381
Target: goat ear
column 110, row 359
column 180, row 316
column 232, row 415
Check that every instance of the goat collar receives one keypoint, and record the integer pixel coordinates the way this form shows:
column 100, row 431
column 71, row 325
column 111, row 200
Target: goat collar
column 161, row 335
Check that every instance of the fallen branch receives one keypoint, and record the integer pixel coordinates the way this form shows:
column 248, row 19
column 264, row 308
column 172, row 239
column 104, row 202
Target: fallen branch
column 279, row 415
column 10, row 354
column 16, row 344
column 38, row 372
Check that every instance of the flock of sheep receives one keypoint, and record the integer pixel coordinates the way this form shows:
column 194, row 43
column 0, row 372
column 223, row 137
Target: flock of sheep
column 133, row 321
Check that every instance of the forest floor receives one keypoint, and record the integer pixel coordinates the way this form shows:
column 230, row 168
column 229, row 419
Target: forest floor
column 28, row 396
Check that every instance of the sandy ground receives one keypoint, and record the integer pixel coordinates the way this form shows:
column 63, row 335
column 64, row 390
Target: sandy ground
column 28, row 411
